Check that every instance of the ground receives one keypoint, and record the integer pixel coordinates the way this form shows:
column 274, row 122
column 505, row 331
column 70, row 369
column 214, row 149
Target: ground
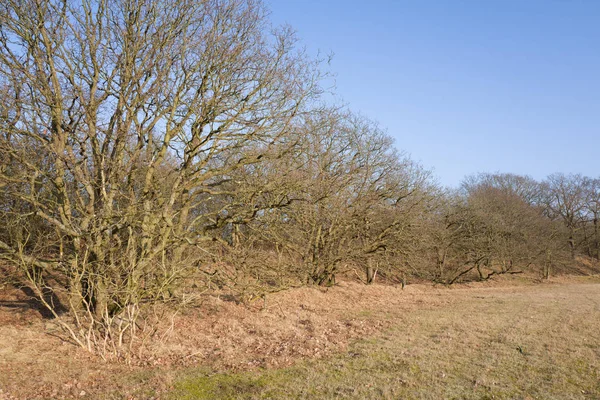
column 507, row 339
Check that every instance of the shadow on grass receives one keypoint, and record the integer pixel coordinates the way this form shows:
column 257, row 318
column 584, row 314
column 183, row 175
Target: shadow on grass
column 32, row 302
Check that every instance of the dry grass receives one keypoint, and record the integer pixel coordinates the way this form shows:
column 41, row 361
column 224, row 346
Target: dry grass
column 526, row 342
column 508, row 339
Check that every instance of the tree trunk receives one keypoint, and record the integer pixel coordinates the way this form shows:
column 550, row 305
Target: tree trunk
column 371, row 273
column 572, row 246
column 481, row 277
column 596, row 237
column 547, row 266
column 99, row 299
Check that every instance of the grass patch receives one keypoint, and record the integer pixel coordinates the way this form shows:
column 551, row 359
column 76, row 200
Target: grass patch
column 527, row 343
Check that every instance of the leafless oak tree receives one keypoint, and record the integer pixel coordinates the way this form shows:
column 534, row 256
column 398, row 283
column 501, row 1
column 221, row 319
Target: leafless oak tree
column 121, row 127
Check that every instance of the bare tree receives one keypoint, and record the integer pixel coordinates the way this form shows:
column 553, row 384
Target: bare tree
column 490, row 228
column 564, row 199
column 122, row 126
column 352, row 199
column 592, row 209
column 523, row 186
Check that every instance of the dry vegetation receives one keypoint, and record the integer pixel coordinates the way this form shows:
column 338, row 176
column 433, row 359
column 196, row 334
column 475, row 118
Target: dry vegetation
column 505, row 340
column 472, row 343
column 174, row 190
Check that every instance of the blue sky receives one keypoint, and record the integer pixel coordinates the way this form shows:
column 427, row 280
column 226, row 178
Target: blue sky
column 467, row 86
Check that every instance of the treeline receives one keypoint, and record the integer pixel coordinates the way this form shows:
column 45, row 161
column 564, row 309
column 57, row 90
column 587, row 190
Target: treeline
column 507, row 222
column 150, row 150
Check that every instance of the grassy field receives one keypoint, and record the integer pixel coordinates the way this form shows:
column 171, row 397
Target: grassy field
column 511, row 338
column 523, row 342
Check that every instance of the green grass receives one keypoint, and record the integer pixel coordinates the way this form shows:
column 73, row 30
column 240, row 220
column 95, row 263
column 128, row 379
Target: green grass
column 538, row 342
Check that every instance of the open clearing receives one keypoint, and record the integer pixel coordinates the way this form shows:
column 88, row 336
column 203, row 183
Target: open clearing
column 508, row 340
column 502, row 342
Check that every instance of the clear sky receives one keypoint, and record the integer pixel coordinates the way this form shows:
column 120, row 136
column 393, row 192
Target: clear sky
column 467, row 86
